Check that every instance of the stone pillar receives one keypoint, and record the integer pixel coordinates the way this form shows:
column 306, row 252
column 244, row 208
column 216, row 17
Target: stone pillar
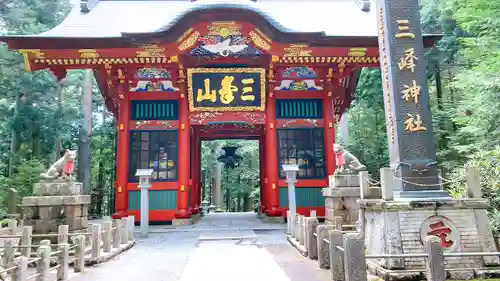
column 435, row 259
column 354, row 258
column 323, row 248
column 406, row 98
column 337, row 272
column 311, row 239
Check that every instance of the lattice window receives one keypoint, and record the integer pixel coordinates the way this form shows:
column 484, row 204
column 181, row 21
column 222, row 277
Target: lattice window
column 154, row 110
column 155, row 150
column 303, row 147
column 299, row 108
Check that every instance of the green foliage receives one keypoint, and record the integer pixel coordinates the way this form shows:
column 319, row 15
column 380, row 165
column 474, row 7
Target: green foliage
column 241, row 182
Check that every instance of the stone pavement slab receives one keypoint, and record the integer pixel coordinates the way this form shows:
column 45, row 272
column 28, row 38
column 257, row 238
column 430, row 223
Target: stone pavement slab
column 226, row 235
column 224, row 261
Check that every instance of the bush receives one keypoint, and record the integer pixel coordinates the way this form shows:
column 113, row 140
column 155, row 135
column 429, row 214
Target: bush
column 488, row 165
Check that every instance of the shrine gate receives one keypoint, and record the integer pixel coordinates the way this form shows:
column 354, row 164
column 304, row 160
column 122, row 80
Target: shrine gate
column 176, row 72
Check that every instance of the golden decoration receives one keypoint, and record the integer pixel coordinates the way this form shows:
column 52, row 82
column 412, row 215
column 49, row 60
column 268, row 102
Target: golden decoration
column 190, row 41
column 190, row 90
column 275, row 59
column 224, row 28
column 88, row 53
column 297, row 50
column 259, row 42
column 357, row 52
column 263, row 35
column 151, row 51
column 184, row 35
column 35, row 52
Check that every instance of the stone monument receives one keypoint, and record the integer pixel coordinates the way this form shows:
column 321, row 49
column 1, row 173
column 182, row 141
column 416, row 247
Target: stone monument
column 344, row 189
column 57, row 200
column 413, row 203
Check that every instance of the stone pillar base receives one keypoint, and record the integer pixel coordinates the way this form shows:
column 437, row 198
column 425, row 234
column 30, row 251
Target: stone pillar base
column 399, row 227
column 181, row 222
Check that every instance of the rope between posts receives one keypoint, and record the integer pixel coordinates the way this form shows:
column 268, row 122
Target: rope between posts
column 340, row 248
column 8, row 269
column 33, row 276
column 429, row 185
column 326, row 240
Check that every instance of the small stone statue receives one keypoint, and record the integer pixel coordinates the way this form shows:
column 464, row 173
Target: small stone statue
column 346, row 162
column 62, row 168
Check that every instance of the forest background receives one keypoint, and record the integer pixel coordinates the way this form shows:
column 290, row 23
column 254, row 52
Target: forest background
column 40, row 117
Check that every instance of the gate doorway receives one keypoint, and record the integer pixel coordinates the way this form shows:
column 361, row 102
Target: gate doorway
column 226, row 161
column 231, row 174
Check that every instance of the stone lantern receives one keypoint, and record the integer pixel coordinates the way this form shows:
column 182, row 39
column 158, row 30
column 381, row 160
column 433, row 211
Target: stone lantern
column 144, row 184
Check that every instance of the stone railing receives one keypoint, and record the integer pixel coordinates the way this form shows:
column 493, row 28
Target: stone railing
column 72, row 249
column 332, row 247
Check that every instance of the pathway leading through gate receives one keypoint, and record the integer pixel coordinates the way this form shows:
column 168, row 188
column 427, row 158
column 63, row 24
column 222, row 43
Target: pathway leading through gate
column 220, row 247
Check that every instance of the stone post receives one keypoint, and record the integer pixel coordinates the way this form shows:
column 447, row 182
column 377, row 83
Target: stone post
column 297, row 226
column 123, row 229
column 473, row 183
column 43, row 265
column 13, row 198
column 144, row 184
column 354, row 258
column 63, row 269
column 364, row 185
column 21, row 271
column 79, row 264
column 130, row 228
column 301, row 229
column 12, row 225
column 26, row 239
column 337, row 272
column 96, row 242
column 108, row 235
column 435, row 260
column 322, row 246
column 311, row 241
column 8, row 254
column 62, row 234
column 117, row 234
column 387, row 183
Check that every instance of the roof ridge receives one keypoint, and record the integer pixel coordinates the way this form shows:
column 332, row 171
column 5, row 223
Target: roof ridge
column 87, row 5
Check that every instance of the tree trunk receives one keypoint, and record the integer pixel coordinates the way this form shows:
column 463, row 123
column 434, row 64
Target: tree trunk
column 85, row 132
column 14, row 139
column 60, row 88
column 246, row 202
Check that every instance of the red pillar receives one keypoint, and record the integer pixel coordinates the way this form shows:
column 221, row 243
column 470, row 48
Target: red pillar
column 198, row 172
column 262, row 168
column 183, row 156
column 328, row 134
column 122, row 156
column 271, row 158
column 194, row 175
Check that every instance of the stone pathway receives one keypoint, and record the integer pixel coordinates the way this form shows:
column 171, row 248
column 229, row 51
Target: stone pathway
column 243, row 248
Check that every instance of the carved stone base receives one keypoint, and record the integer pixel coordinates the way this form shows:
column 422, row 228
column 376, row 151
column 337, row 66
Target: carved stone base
column 57, row 188
column 398, row 227
column 56, row 203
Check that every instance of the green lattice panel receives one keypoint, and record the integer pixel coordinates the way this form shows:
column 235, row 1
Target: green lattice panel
column 299, row 108
column 304, row 197
column 158, row 200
